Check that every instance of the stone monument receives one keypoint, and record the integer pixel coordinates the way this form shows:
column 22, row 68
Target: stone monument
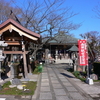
column 2, row 44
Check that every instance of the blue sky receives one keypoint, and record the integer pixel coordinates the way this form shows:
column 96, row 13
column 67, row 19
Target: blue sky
column 86, row 15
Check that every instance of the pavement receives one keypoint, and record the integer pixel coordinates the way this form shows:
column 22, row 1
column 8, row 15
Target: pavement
column 56, row 83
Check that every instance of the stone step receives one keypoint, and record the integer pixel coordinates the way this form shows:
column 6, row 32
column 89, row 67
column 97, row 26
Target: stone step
column 64, row 61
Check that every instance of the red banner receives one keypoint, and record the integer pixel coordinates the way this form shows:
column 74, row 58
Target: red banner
column 83, row 52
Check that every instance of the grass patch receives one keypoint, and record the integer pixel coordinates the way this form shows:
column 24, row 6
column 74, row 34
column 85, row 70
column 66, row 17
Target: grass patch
column 6, row 90
column 79, row 75
column 96, row 80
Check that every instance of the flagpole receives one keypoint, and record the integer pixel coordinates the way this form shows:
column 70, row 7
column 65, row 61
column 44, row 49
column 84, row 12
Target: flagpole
column 88, row 79
column 87, row 59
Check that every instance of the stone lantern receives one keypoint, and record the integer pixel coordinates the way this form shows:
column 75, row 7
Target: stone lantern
column 2, row 45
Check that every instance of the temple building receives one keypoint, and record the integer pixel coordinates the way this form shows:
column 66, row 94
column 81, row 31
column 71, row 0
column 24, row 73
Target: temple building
column 59, row 46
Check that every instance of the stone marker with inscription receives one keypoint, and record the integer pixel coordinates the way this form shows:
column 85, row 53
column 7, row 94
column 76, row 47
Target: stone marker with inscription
column 16, row 81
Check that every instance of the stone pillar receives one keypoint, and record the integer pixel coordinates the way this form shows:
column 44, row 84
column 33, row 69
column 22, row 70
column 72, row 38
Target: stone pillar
column 0, row 70
column 24, row 60
column 14, row 72
column 46, row 55
column 2, row 44
column 56, row 55
column 0, row 73
column 75, row 65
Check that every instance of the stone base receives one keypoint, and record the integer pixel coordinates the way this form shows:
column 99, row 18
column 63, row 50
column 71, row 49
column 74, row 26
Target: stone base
column 89, row 81
column 24, row 79
column 12, row 86
column 1, row 80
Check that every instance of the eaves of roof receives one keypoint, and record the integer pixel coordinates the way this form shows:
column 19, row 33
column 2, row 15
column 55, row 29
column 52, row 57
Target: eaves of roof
column 19, row 26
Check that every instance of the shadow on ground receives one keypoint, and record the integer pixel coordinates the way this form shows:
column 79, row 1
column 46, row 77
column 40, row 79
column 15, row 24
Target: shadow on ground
column 67, row 75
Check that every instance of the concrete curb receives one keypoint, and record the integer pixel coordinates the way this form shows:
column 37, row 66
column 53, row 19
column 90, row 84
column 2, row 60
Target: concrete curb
column 34, row 97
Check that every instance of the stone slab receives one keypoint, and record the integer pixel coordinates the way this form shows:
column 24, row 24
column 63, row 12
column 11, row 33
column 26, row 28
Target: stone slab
column 45, row 96
column 45, row 80
column 15, row 81
column 45, row 84
column 12, row 86
column 45, row 89
column 57, row 86
column 62, row 98
column 76, row 96
column 67, row 84
column 43, row 77
column 34, row 80
column 44, row 73
column 54, row 81
column 77, row 80
column 94, row 95
column 64, row 80
column 61, row 76
column 28, row 97
column 2, row 98
column 52, row 75
column 31, row 76
column 53, row 78
column 44, row 70
column 70, row 89
column 60, row 92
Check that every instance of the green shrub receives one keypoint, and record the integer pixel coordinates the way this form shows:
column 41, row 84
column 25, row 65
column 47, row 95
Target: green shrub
column 6, row 84
column 70, row 70
column 96, row 68
column 38, row 69
column 78, row 75
column 35, row 71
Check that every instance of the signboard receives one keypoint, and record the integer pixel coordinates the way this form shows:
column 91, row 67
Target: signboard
column 83, row 52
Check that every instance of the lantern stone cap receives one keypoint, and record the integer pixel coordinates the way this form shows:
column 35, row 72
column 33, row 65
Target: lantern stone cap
column 3, row 44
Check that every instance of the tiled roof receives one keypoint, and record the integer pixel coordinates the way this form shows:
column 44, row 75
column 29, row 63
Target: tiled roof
column 74, row 48
column 62, row 39
column 19, row 26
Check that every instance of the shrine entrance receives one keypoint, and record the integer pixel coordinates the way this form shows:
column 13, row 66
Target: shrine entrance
column 18, row 39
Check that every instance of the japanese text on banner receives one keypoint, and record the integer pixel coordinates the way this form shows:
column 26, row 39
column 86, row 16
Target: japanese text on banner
column 83, row 53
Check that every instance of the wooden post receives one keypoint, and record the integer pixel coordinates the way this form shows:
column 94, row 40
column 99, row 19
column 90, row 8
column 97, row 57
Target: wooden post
column 24, row 60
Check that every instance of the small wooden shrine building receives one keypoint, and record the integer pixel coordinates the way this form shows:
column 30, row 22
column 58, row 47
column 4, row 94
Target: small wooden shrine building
column 17, row 37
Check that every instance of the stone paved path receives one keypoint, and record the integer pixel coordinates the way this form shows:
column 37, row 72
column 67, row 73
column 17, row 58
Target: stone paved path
column 56, row 84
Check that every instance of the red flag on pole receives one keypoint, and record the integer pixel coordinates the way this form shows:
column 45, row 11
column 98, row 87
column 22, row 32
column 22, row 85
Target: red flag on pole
column 83, row 52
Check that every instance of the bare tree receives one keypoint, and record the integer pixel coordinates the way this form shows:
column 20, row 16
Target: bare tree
column 96, row 9
column 45, row 17
column 6, row 11
column 93, row 39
